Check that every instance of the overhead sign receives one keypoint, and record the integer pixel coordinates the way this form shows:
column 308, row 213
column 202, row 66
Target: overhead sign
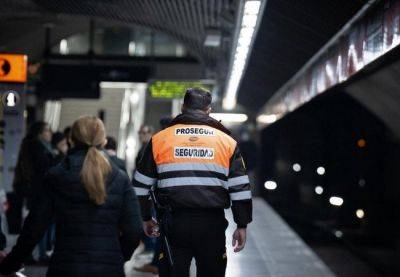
column 375, row 32
column 176, row 89
column 13, row 68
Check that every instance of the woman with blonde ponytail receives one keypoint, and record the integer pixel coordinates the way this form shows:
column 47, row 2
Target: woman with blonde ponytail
column 93, row 205
column 89, row 131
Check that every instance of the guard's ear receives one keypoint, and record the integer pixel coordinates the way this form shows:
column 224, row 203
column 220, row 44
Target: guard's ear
column 183, row 108
column 209, row 110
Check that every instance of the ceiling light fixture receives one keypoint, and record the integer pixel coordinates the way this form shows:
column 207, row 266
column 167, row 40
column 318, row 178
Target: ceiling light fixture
column 245, row 36
column 213, row 38
column 267, row 118
column 230, row 117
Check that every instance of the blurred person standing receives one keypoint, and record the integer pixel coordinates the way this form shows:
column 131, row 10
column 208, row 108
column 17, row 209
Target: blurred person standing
column 145, row 133
column 111, row 149
column 94, row 207
column 67, row 134
column 34, row 159
column 60, row 146
column 150, row 244
column 197, row 171
column 60, row 149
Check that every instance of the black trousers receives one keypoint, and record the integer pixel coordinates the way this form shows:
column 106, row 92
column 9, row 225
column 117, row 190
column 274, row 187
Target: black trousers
column 198, row 234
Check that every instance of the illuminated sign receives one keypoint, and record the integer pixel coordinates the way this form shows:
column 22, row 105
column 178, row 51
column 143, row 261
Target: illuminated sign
column 10, row 99
column 13, row 68
column 175, row 89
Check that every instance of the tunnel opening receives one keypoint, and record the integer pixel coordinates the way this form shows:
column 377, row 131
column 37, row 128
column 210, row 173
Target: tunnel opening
column 332, row 162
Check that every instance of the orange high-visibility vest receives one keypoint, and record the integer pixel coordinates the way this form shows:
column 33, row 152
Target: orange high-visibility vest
column 199, row 144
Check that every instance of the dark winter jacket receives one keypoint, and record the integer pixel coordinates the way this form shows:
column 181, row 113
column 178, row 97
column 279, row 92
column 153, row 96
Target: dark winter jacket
column 91, row 240
column 120, row 163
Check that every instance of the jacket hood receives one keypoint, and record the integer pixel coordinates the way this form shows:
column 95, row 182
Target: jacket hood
column 197, row 118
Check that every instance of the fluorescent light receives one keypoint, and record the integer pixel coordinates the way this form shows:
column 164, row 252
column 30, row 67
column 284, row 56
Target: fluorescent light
column 242, row 49
column 245, row 35
column 123, row 85
column 249, row 20
column 246, row 31
column 360, row 213
column 319, row 190
column 297, row 167
column 252, row 7
column 229, row 103
column 131, row 48
column 64, row 47
column 321, row 170
column 336, row 201
column 240, row 55
column 230, row 117
column 270, row 185
column 267, row 118
column 244, row 40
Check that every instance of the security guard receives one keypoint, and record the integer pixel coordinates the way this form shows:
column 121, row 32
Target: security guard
column 197, row 170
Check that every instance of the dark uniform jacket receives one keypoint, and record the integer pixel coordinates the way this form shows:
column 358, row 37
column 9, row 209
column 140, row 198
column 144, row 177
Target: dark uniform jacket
column 195, row 164
column 91, row 240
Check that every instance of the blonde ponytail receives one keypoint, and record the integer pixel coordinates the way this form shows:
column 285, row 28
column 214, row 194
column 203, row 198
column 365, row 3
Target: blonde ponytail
column 90, row 131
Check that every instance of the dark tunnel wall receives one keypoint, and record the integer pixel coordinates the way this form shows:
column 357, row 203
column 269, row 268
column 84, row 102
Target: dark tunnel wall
column 360, row 156
column 379, row 92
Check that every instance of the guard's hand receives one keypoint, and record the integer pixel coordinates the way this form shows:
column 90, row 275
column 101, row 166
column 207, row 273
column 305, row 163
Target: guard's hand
column 150, row 228
column 239, row 239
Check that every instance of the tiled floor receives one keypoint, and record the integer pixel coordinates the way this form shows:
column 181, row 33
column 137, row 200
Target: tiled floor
column 272, row 249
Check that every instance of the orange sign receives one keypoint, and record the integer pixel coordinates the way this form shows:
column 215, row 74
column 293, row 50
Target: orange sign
column 13, row 68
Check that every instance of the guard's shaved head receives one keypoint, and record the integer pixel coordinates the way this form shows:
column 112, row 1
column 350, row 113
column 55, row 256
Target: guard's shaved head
column 197, row 99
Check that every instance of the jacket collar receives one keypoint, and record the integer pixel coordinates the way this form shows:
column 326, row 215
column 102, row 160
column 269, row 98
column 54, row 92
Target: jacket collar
column 198, row 118
column 76, row 156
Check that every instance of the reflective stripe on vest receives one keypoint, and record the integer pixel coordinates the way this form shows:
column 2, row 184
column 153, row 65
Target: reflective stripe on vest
column 192, row 166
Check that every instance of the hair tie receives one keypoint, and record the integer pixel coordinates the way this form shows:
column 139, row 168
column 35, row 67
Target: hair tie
column 95, row 146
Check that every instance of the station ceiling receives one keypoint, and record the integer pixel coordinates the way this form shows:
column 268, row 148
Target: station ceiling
column 290, row 32
column 186, row 21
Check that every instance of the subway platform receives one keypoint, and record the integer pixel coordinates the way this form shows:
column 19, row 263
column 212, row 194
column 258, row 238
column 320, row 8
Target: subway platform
column 273, row 249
